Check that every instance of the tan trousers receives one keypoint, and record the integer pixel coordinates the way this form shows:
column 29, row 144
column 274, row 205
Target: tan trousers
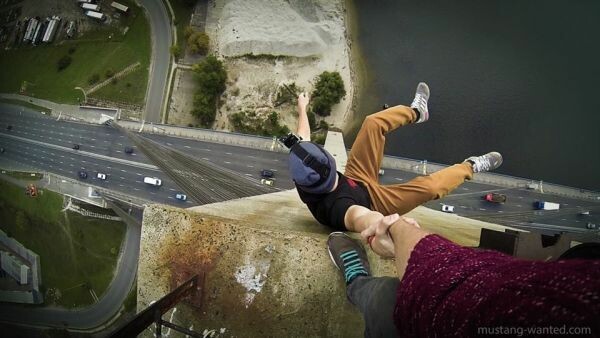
column 365, row 160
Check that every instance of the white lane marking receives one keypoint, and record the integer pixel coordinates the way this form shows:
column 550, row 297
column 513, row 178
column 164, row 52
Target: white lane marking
column 171, row 189
column 138, row 181
column 250, row 166
column 136, row 189
column 206, row 159
column 93, row 139
column 122, row 177
column 92, row 146
column 153, row 193
column 169, row 197
column 138, row 174
column 461, row 206
column 205, row 149
column 227, row 153
column 71, row 165
column 398, row 179
column 187, row 147
column 120, row 185
column 227, row 162
column 563, row 219
column 500, row 211
column 123, row 170
column 482, row 209
column 120, row 144
column 248, row 174
column 520, row 206
column 118, row 151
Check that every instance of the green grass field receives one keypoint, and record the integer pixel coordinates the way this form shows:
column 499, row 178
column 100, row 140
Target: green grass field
column 97, row 51
column 77, row 253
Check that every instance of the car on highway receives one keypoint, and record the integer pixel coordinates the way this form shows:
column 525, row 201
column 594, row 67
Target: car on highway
column 266, row 173
column 495, row 198
column 101, row 176
column 267, row 181
column 181, row 197
column 128, row 150
column 153, row 181
column 2, row 150
column 82, row 174
column 76, row 146
column 9, row 128
column 448, row 208
column 381, row 172
column 591, row 226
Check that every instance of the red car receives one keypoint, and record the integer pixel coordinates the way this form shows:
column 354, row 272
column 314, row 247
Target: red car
column 495, row 198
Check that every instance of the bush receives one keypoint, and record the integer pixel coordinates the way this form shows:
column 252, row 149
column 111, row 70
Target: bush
column 64, row 62
column 188, row 31
column 286, row 93
column 94, row 79
column 72, row 49
column 114, row 81
column 211, row 76
column 329, row 90
column 312, row 120
column 251, row 123
column 198, row 43
column 109, row 73
column 175, row 51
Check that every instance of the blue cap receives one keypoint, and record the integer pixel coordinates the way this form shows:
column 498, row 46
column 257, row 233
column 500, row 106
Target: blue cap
column 307, row 178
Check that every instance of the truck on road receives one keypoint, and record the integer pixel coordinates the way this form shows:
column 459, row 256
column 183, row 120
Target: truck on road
column 542, row 205
column 153, row 181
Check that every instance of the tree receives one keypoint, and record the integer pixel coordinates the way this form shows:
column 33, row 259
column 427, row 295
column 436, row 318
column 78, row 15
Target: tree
column 211, row 76
column 64, row 62
column 175, row 51
column 198, row 43
column 329, row 90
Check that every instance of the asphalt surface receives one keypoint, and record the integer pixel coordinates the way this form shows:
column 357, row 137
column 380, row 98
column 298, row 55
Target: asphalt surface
column 161, row 57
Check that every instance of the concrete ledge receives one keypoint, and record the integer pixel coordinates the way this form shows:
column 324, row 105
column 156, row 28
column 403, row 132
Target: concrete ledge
column 268, row 272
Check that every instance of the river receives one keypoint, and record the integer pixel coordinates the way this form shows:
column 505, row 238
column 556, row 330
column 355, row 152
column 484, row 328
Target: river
column 518, row 77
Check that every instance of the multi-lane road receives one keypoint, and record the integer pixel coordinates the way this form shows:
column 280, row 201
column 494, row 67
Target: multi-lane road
column 161, row 36
column 40, row 141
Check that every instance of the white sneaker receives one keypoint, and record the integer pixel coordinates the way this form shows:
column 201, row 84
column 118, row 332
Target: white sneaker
column 420, row 101
column 487, row 162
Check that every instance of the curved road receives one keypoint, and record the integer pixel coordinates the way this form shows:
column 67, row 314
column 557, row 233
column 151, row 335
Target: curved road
column 161, row 35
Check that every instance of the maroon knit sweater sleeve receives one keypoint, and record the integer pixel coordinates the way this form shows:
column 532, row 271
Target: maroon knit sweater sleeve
column 449, row 290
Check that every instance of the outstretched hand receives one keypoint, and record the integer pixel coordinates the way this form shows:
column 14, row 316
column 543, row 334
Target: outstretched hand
column 303, row 101
column 378, row 235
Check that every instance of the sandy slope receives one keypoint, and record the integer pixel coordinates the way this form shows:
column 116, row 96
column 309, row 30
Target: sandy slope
column 309, row 34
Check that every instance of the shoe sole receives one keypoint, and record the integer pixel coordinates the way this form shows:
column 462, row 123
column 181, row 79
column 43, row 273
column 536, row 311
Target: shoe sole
column 329, row 249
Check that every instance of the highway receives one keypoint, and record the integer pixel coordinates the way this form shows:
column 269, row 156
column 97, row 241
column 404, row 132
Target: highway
column 29, row 126
column 161, row 35
column 108, row 141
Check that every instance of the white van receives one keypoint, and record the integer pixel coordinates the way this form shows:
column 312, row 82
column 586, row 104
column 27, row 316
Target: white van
column 153, row 181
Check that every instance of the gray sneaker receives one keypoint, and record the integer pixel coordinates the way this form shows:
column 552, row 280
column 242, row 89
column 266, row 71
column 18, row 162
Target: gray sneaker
column 420, row 101
column 348, row 256
column 487, row 162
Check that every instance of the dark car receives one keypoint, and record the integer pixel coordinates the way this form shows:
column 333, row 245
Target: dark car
column 76, row 146
column 2, row 150
column 266, row 173
column 8, row 127
column 128, row 150
column 82, row 174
